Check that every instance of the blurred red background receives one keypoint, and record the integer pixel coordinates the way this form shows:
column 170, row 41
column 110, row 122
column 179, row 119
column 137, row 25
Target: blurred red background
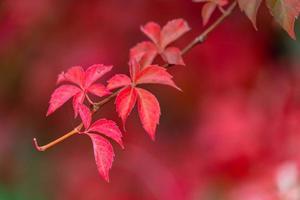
column 234, row 133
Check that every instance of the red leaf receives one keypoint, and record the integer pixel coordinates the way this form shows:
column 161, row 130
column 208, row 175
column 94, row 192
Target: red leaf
column 157, row 75
column 172, row 31
column 104, row 154
column 125, row 102
column 118, row 80
column 134, row 68
column 94, row 72
column 172, row 55
column 85, row 115
column 61, row 95
column 60, row 78
column 221, row 2
column 108, row 128
column 217, row 2
column 74, row 75
column 98, row 90
column 149, row 111
column 209, row 7
column 152, row 30
column 285, row 13
column 144, row 53
column 77, row 100
column 250, row 8
column 207, row 11
column 84, row 80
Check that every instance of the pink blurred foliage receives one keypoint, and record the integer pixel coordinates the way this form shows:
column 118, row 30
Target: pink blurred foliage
column 231, row 133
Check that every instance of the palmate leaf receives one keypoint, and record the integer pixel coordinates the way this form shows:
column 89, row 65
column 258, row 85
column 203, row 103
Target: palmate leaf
column 80, row 83
column 285, row 13
column 145, row 52
column 148, row 106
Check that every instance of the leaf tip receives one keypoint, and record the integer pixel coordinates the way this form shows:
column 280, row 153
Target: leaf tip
column 179, row 89
column 49, row 112
column 293, row 35
column 255, row 26
column 121, row 144
column 106, row 178
column 153, row 137
column 124, row 124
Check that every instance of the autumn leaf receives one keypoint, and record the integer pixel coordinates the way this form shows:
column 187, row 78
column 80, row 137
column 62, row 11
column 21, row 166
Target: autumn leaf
column 285, row 13
column 103, row 150
column 104, row 154
column 61, row 95
column 172, row 31
column 209, row 7
column 134, row 69
column 155, row 74
column 125, row 102
column 153, row 31
column 207, row 11
column 149, row 111
column 74, row 75
column 108, row 128
column 147, row 103
column 98, row 89
column 172, row 55
column 250, row 8
column 77, row 100
column 80, row 83
column 145, row 52
column 85, row 115
column 118, row 80
column 152, row 74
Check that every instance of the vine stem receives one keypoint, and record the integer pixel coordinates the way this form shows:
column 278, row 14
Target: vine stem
column 58, row 140
column 202, row 37
column 96, row 106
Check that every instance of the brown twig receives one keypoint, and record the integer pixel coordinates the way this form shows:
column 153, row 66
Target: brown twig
column 58, row 140
column 202, row 37
column 96, row 106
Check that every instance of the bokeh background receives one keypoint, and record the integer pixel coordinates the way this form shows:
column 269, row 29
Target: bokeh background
column 233, row 134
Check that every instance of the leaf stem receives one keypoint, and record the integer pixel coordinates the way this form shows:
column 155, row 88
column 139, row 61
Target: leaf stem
column 89, row 99
column 106, row 100
column 58, row 140
column 96, row 106
column 222, row 9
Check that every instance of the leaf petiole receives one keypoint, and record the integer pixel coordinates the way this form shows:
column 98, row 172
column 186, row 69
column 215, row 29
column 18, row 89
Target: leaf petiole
column 58, row 140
